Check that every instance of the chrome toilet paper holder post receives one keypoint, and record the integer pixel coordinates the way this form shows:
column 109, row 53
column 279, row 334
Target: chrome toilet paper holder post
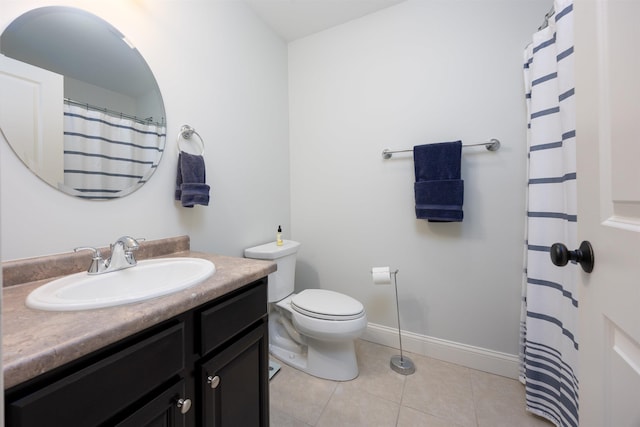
column 400, row 363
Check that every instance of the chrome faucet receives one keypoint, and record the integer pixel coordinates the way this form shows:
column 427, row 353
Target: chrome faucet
column 122, row 256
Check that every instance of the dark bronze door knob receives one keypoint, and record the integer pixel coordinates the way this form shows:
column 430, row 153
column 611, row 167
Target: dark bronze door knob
column 560, row 255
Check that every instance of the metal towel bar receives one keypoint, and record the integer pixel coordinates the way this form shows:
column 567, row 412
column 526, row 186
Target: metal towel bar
column 491, row 145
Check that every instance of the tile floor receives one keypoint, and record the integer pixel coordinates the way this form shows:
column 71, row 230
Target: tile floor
column 438, row 394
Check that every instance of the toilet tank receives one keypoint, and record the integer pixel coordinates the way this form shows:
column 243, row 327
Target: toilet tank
column 281, row 282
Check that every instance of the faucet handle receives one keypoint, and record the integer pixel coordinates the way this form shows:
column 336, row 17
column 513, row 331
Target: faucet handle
column 96, row 252
column 96, row 259
column 137, row 241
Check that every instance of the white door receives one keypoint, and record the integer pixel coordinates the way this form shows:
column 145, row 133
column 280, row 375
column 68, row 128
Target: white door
column 31, row 117
column 607, row 49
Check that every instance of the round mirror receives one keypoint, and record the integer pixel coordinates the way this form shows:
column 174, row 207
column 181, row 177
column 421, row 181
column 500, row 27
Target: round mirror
column 80, row 106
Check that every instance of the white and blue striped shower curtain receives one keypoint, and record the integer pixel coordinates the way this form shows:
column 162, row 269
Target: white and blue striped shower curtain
column 549, row 340
column 106, row 156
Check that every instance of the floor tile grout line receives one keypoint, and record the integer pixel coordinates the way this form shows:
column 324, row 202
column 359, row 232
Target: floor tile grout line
column 404, row 385
column 473, row 398
column 326, row 404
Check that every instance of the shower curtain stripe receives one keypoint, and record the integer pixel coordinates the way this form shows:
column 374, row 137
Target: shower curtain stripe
column 556, row 286
column 553, row 180
column 548, row 146
column 549, row 339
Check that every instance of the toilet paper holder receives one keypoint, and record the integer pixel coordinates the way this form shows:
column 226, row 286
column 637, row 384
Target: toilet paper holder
column 399, row 363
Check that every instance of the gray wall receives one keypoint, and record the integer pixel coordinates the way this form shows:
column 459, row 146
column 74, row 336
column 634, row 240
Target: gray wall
column 422, row 71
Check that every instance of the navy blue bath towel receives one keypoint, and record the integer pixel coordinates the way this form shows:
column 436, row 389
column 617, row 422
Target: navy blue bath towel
column 439, row 191
column 191, row 187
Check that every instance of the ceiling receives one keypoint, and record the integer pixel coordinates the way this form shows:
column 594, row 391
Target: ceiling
column 294, row 19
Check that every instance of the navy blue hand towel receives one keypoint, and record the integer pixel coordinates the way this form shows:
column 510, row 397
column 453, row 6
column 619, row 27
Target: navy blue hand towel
column 439, row 191
column 191, row 187
column 439, row 201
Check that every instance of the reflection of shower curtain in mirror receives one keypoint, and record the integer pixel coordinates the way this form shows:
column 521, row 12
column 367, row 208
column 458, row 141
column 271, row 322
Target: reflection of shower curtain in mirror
column 104, row 156
column 550, row 304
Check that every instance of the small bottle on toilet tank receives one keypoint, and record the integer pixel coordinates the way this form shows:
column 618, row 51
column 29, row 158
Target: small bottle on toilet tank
column 279, row 236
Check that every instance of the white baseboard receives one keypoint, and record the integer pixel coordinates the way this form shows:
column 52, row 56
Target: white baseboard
column 482, row 359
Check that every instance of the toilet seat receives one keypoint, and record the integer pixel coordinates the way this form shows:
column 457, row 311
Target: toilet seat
column 327, row 305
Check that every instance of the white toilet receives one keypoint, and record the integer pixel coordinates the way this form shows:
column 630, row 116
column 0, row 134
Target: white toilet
column 315, row 330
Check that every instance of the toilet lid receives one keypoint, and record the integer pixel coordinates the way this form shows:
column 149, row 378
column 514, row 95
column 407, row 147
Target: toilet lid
column 324, row 304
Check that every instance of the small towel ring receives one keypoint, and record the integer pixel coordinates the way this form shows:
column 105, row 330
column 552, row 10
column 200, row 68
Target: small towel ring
column 186, row 132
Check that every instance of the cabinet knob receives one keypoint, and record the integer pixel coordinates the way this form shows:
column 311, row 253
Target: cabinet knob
column 184, row 405
column 213, row 381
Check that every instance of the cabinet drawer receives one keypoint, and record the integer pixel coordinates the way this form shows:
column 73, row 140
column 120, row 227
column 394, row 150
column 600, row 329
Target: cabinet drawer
column 91, row 395
column 227, row 318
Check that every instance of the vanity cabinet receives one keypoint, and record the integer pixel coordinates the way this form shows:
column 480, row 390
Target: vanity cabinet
column 205, row 367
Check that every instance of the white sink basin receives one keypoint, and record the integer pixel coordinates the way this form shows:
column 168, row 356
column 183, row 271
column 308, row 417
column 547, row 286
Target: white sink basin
column 149, row 279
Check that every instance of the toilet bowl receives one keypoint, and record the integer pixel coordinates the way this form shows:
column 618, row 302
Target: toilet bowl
column 313, row 330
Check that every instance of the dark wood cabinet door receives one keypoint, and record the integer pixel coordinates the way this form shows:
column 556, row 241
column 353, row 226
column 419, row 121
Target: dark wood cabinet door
column 235, row 383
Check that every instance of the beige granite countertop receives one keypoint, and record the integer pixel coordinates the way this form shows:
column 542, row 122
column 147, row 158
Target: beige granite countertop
column 36, row 341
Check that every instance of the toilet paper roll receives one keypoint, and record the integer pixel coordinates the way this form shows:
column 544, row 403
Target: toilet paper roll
column 381, row 275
